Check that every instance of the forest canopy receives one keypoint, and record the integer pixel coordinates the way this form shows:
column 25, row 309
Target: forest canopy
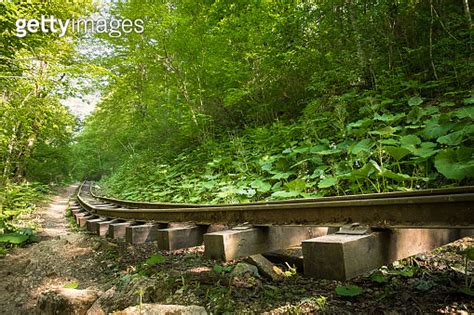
column 251, row 100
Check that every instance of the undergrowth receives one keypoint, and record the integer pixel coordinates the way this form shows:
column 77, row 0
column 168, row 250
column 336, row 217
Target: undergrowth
column 17, row 202
column 349, row 144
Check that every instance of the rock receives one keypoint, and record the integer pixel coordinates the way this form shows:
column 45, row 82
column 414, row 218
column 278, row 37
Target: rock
column 127, row 293
column 243, row 268
column 96, row 308
column 160, row 309
column 66, row 301
column 265, row 267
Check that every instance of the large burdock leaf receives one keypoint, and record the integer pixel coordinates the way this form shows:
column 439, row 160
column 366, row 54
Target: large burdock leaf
column 454, row 138
column 361, row 146
column 455, row 164
column 13, row 238
column 415, row 101
column 425, row 150
column 327, row 182
column 409, row 140
column 260, row 186
column 464, row 112
column 397, row 153
column 298, row 185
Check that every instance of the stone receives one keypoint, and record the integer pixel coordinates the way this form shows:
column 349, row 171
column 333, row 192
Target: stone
column 243, row 268
column 155, row 309
column 65, row 301
column 265, row 267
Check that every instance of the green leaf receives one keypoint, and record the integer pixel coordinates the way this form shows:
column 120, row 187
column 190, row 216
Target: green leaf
column 469, row 100
column 425, row 150
column 327, row 182
column 468, row 253
column 435, row 130
column 464, row 112
column 297, row 185
column 447, row 104
column 218, row 269
column 71, row 285
column 378, row 277
column 349, row 290
column 328, row 152
column 407, row 272
column 414, row 115
column 281, row 176
column 424, row 285
column 387, row 131
column 415, row 101
column 453, row 139
column 362, row 172
column 409, row 140
column 388, row 117
column 155, row 260
column 466, row 291
column 14, row 238
column 455, row 164
column 392, row 175
column 362, row 146
column 261, row 186
column 397, row 153
column 285, row 194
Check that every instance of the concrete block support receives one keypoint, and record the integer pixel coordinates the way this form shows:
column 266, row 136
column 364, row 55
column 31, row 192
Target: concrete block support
column 137, row 234
column 80, row 214
column 78, row 210
column 466, row 232
column 82, row 220
column 102, row 227
column 342, row 257
column 91, row 224
column 181, row 237
column 240, row 242
column 117, row 230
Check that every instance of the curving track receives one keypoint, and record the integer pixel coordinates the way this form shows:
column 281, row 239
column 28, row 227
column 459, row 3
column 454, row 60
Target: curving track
column 436, row 208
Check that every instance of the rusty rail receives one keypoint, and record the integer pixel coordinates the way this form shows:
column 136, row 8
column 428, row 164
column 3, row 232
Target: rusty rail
column 437, row 208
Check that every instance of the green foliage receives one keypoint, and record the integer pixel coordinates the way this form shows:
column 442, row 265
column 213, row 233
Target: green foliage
column 378, row 277
column 35, row 74
column 349, row 290
column 468, row 255
column 13, row 238
column 284, row 161
column 17, row 200
column 71, row 285
column 155, row 259
column 281, row 94
column 221, row 269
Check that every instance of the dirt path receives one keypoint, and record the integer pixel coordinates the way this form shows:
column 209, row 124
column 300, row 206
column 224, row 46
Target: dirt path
column 59, row 258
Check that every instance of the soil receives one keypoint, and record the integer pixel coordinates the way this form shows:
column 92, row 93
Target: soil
column 425, row 283
column 60, row 257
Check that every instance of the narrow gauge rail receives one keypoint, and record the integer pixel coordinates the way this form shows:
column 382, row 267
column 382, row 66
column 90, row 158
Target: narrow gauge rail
column 436, row 208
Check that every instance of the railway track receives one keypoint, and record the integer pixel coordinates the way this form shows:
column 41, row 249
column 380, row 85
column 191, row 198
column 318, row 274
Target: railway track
column 436, row 208
column 392, row 225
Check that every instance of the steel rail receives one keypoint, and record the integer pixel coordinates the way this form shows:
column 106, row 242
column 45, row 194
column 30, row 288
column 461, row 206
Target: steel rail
column 435, row 209
column 171, row 205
